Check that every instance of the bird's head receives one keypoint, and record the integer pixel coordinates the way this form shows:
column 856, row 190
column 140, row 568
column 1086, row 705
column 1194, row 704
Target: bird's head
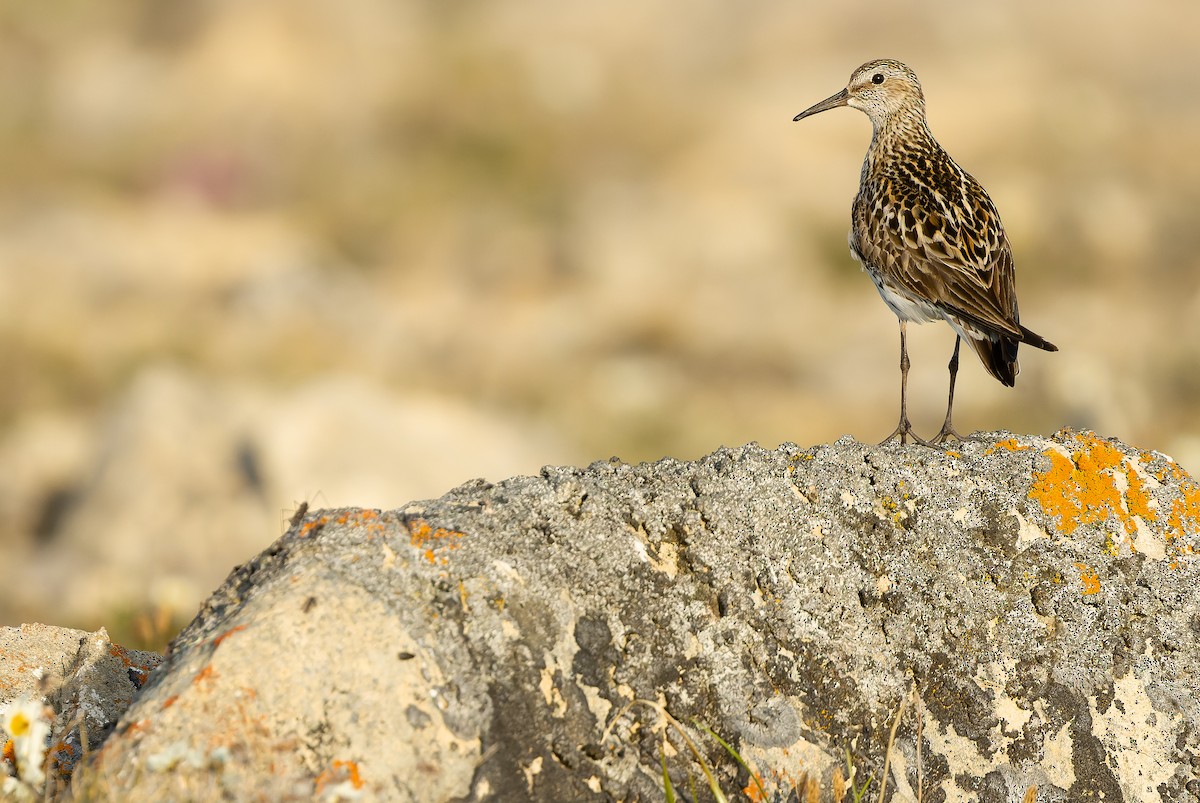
column 880, row 89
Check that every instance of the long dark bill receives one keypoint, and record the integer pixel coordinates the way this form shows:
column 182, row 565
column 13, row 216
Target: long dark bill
column 829, row 103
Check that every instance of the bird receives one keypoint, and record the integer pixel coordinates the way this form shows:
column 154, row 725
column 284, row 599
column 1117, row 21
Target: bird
column 928, row 235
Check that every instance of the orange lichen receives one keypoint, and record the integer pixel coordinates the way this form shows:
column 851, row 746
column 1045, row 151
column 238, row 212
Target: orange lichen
column 753, row 790
column 207, row 673
column 1099, row 483
column 140, row 726
column 1137, row 498
column 360, row 516
column 1011, row 444
column 1089, row 579
column 217, row 641
column 1185, row 510
column 314, row 524
column 340, row 771
column 368, row 518
column 1184, row 519
column 429, row 540
column 64, row 757
column 1056, row 492
column 170, row 701
column 138, row 672
column 1083, row 488
column 805, row 785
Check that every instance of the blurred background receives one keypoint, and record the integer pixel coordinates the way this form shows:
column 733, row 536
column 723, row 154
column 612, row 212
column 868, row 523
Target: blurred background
column 255, row 253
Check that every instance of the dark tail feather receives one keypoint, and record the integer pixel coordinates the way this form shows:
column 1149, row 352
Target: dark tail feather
column 1036, row 340
column 999, row 357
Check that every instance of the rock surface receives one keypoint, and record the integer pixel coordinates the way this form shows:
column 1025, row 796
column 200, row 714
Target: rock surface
column 1031, row 601
column 86, row 680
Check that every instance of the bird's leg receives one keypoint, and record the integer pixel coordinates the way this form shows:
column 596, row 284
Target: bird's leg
column 904, row 429
column 948, row 430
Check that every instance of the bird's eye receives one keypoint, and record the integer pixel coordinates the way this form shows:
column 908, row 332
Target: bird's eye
column 877, row 78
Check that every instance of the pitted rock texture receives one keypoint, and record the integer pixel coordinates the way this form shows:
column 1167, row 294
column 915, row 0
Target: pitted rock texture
column 1034, row 600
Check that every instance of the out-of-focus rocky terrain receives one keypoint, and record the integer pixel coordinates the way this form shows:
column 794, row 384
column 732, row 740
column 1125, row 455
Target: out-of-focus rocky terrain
column 254, row 254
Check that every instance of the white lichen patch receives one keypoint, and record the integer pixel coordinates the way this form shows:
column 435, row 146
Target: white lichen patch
column 559, row 659
column 599, row 707
column 389, row 555
column 1151, row 482
column 1044, row 445
column 1056, row 758
column 993, row 676
column 1138, row 738
column 898, row 777
column 1010, row 713
column 550, row 693
column 1027, row 531
column 1147, row 542
column 668, row 559
column 961, row 754
column 1142, row 539
column 662, row 557
column 639, row 547
column 532, row 770
column 503, row 570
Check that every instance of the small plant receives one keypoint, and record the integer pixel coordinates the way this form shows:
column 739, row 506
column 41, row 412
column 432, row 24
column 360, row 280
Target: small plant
column 669, row 723
column 844, row 782
column 807, row 788
column 26, row 723
column 736, row 757
column 857, row 793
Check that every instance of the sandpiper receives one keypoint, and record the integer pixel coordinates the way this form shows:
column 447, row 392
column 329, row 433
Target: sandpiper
column 928, row 234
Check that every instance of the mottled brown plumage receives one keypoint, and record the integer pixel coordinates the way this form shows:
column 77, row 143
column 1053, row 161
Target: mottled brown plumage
column 928, row 234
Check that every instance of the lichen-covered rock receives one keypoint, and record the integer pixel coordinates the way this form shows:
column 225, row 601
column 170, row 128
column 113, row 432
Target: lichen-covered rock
column 85, row 680
column 1029, row 604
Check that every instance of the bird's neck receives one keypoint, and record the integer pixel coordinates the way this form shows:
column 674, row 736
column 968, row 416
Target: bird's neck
column 898, row 133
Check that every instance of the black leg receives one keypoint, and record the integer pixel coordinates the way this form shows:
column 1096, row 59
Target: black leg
column 948, row 431
column 903, row 430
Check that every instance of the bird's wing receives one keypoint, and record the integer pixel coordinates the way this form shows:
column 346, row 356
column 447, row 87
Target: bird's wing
column 951, row 251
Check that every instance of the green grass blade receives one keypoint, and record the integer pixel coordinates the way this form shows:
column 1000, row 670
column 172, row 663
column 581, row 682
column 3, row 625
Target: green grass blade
column 736, row 757
column 668, row 789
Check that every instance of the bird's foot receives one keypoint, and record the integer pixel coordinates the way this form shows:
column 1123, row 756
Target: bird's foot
column 949, row 433
column 903, row 432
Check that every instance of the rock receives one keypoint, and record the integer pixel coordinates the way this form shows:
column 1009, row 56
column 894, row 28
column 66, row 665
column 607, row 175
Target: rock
column 86, row 679
column 1020, row 611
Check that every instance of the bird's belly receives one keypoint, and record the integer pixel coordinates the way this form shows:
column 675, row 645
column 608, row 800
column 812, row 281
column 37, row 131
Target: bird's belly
column 906, row 307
